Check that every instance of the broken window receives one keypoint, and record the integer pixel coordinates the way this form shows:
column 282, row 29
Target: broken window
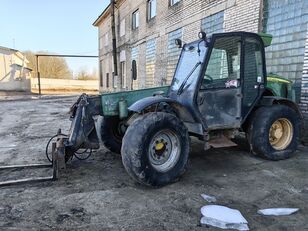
column 151, row 9
column 173, row 2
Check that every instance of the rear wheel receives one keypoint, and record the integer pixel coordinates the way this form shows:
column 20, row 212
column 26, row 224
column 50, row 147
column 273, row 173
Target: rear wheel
column 155, row 149
column 112, row 132
column 274, row 132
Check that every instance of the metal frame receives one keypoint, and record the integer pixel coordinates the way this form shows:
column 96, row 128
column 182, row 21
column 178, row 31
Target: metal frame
column 50, row 55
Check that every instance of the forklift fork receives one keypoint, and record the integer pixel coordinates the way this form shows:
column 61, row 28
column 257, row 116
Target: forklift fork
column 58, row 163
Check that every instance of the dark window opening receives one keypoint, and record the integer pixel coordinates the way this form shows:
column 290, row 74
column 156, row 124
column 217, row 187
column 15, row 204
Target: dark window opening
column 101, row 77
column 107, row 80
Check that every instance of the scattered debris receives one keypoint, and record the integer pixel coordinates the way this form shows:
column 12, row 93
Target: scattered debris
column 277, row 211
column 208, row 198
column 223, row 217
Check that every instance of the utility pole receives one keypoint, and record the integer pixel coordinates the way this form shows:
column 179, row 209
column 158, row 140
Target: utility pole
column 114, row 40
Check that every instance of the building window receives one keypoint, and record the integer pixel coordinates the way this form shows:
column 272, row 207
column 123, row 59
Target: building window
column 106, row 39
column 135, row 19
column 107, row 80
column 173, row 55
column 122, row 28
column 173, row 2
column 135, row 56
column 150, row 55
column 287, row 22
column 114, row 80
column 213, row 23
column 151, row 9
column 123, row 73
column 123, row 68
column 101, row 73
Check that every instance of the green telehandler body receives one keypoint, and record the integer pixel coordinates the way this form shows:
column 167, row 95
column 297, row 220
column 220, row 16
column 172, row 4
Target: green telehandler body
column 220, row 89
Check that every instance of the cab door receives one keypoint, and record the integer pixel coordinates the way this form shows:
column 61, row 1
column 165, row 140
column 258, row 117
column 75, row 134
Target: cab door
column 253, row 73
column 220, row 96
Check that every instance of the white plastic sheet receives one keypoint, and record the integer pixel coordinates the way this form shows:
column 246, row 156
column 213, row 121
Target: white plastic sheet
column 208, row 198
column 277, row 211
column 223, row 217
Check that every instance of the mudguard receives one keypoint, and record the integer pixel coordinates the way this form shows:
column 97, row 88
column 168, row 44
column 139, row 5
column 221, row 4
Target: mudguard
column 181, row 110
column 270, row 100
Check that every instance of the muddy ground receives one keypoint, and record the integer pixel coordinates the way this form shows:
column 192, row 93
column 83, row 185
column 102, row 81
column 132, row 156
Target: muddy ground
column 97, row 194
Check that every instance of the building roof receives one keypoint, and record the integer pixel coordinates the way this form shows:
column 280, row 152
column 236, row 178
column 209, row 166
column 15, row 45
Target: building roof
column 7, row 50
column 17, row 53
column 102, row 15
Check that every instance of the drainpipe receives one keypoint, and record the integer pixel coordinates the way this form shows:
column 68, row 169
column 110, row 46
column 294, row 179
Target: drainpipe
column 114, row 41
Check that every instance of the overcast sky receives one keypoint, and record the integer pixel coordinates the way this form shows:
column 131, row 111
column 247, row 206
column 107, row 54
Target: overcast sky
column 59, row 26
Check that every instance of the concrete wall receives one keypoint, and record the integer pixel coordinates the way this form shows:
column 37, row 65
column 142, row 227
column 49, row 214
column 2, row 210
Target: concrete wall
column 65, row 84
column 20, row 84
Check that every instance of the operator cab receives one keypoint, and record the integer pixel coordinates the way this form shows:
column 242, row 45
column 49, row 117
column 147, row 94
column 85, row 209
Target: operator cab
column 220, row 79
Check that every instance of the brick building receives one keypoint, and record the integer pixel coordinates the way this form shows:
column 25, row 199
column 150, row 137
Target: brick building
column 146, row 30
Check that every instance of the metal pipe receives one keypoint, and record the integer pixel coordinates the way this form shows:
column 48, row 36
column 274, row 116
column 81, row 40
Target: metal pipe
column 38, row 73
column 25, row 166
column 25, row 181
column 69, row 56
column 114, row 41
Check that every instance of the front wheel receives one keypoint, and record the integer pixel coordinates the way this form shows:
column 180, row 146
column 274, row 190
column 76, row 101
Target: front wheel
column 112, row 132
column 155, row 149
column 274, row 132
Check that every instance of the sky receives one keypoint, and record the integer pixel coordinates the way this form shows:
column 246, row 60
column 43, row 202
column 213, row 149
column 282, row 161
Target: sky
column 57, row 26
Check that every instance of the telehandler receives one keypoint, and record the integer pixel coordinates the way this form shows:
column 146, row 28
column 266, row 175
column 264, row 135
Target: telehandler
column 220, row 88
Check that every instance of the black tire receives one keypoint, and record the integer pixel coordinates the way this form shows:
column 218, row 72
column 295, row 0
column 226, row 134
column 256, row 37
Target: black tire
column 259, row 132
column 111, row 134
column 136, row 153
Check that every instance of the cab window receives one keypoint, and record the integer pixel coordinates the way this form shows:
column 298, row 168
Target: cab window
column 223, row 70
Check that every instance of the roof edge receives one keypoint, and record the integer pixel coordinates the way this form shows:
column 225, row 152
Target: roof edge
column 100, row 17
column 8, row 49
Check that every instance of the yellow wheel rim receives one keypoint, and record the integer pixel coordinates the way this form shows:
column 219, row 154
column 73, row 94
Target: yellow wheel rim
column 281, row 134
column 159, row 146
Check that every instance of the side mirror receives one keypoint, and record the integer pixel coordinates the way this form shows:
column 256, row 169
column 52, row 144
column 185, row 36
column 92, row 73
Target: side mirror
column 134, row 70
column 178, row 43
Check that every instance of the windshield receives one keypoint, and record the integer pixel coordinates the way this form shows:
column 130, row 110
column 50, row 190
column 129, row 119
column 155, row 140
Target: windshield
column 189, row 66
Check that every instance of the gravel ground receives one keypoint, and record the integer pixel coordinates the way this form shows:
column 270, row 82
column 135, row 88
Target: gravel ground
column 97, row 194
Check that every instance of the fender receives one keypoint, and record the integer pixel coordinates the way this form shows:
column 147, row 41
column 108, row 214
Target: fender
column 270, row 100
column 181, row 110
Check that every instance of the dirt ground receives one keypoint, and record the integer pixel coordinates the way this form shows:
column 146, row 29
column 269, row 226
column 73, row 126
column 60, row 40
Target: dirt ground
column 97, row 194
